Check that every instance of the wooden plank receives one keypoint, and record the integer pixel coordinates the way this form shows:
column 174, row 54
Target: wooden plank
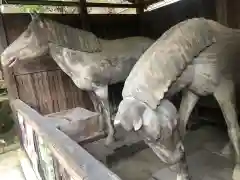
column 68, row 91
column 69, row 3
column 77, row 161
column 53, row 89
column 3, row 38
column 10, row 81
column 43, row 92
column 112, row 5
column 3, row 41
column 84, row 15
column 40, row 64
column 61, row 97
column 27, row 91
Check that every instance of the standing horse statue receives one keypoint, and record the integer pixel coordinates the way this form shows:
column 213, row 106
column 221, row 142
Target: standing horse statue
column 91, row 62
column 196, row 56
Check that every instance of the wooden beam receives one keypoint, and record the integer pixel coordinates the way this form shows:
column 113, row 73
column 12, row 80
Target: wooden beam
column 84, row 15
column 73, row 158
column 112, row 5
column 69, row 3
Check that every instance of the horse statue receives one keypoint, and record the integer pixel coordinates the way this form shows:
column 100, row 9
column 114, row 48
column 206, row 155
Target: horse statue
column 196, row 57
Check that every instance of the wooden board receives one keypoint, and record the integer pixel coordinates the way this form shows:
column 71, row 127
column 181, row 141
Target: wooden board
column 51, row 91
column 78, row 162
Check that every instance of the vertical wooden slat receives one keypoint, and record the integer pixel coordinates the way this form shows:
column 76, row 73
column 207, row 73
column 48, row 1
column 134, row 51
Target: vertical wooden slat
column 60, row 90
column 67, row 89
column 27, row 92
column 53, row 88
column 43, row 92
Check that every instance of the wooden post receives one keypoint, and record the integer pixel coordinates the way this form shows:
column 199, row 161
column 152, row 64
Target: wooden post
column 221, row 12
column 7, row 72
column 140, row 8
column 84, row 15
column 139, row 12
column 3, row 41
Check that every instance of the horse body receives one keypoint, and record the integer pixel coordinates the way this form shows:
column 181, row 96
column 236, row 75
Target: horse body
column 200, row 62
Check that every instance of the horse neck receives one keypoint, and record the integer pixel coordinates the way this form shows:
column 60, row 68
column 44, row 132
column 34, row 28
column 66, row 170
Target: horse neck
column 52, row 32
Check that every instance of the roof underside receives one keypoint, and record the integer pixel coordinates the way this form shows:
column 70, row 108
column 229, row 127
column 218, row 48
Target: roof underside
column 95, row 3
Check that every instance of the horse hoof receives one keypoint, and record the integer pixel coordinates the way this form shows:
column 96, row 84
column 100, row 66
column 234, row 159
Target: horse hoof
column 236, row 173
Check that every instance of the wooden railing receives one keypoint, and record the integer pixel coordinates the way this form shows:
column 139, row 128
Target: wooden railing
column 53, row 155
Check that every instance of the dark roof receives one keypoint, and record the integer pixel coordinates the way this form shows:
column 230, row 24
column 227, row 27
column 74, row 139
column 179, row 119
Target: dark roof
column 96, row 3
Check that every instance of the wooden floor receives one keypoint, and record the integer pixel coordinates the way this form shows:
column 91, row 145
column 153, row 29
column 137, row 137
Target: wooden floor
column 135, row 161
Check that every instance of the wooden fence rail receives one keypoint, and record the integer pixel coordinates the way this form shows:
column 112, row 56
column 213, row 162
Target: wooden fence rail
column 38, row 136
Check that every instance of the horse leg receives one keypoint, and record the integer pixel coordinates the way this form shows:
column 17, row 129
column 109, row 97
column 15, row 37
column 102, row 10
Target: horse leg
column 225, row 95
column 176, row 158
column 102, row 94
column 98, row 108
column 188, row 102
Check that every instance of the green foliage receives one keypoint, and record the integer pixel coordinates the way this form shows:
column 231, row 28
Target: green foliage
column 32, row 8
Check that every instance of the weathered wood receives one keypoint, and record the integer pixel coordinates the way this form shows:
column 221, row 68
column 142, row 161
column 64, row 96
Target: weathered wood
column 3, row 41
column 40, row 64
column 140, row 9
column 10, row 81
column 111, row 5
column 78, row 123
column 97, row 136
column 27, row 91
column 53, row 88
column 77, row 161
column 50, row 91
column 69, row 3
column 40, row 81
column 222, row 12
column 3, row 38
column 84, row 15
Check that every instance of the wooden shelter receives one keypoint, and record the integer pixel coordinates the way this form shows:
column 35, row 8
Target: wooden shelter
column 40, row 87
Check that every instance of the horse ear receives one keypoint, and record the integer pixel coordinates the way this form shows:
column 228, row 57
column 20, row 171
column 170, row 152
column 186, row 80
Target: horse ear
column 34, row 15
column 37, row 17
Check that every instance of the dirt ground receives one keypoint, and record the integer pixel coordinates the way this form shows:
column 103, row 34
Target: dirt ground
column 10, row 168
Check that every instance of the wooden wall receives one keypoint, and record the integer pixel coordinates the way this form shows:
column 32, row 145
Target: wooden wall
column 233, row 13
column 41, row 84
